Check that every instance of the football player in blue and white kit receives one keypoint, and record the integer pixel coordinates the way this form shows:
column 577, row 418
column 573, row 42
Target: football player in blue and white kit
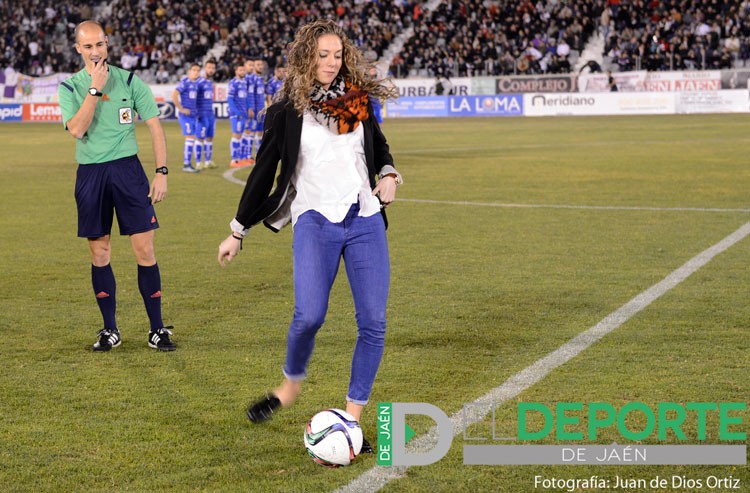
column 247, row 137
column 239, row 113
column 259, row 102
column 274, row 83
column 206, row 119
column 185, row 98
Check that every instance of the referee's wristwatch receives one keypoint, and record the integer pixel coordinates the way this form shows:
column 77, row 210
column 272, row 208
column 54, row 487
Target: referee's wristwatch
column 95, row 92
column 163, row 170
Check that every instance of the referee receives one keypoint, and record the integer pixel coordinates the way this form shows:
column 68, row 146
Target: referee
column 99, row 106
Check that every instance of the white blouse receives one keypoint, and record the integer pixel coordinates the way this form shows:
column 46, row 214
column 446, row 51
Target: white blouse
column 331, row 173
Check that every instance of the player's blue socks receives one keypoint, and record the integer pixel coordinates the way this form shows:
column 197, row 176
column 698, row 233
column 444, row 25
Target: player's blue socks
column 208, row 150
column 103, row 281
column 236, row 149
column 198, row 151
column 246, row 147
column 149, row 284
column 188, row 152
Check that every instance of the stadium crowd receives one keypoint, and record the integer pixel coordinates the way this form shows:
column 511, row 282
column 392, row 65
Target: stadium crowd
column 370, row 25
column 473, row 37
column 159, row 38
column 34, row 34
column 163, row 38
column 155, row 37
column 677, row 34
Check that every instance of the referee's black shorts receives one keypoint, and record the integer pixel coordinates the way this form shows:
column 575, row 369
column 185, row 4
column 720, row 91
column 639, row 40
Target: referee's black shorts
column 119, row 186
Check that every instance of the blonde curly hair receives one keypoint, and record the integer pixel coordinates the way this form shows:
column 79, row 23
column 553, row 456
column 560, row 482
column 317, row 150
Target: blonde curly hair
column 302, row 65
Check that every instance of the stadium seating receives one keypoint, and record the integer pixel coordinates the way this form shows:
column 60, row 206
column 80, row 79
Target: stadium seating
column 470, row 38
column 450, row 37
column 659, row 36
column 371, row 25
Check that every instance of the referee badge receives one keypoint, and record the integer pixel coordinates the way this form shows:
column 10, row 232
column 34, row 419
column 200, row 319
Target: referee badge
column 126, row 116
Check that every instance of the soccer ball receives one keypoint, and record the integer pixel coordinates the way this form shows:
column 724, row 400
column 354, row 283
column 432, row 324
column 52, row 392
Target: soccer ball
column 333, row 438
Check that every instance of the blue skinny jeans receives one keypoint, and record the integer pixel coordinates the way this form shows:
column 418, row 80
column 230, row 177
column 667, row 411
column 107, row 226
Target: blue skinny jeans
column 318, row 246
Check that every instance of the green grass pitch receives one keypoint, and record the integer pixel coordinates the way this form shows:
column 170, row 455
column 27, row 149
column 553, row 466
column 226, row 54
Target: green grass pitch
column 479, row 292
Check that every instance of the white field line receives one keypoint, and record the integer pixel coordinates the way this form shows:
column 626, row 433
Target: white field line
column 375, row 478
column 229, row 176
column 566, row 206
column 510, row 147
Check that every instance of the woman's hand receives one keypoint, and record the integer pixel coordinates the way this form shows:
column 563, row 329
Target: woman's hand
column 386, row 190
column 229, row 249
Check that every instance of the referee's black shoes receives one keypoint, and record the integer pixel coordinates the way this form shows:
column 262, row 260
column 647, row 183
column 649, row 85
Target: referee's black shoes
column 159, row 339
column 108, row 338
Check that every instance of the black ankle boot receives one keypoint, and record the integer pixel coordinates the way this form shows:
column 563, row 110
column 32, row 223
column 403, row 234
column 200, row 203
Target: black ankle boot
column 262, row 409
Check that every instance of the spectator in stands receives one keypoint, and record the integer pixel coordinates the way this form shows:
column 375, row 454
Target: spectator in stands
column 156, row 56
column 176, row 62
column 439, row 87
column 397, row 65
column 128, row 60
column 592, row 66
column 732, row 43
column 611, row 82
column 535, row 57
column 162, row 75
column 47, row 68
column 725, row 59
column 563, row 51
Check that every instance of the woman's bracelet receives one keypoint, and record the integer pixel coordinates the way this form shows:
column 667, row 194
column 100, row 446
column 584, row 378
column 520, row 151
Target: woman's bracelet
column 237, row 237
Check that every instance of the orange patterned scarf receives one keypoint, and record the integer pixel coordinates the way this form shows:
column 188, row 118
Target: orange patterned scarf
column 340, row 108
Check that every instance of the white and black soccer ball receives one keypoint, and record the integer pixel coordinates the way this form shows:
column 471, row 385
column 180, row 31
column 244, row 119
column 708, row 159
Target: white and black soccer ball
column 333, row 438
